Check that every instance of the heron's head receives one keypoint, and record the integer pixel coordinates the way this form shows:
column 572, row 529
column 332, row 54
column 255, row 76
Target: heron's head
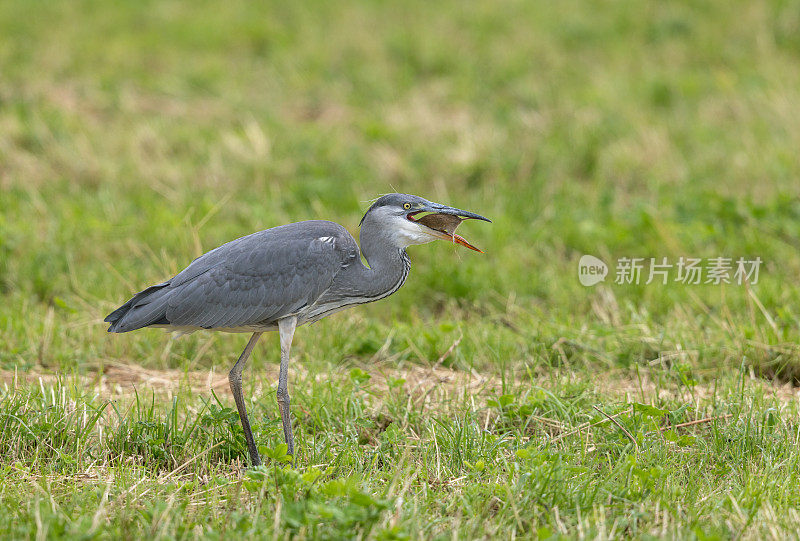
column 399, row 219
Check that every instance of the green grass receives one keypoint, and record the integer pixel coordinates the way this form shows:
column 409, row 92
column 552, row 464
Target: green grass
column 136, row 135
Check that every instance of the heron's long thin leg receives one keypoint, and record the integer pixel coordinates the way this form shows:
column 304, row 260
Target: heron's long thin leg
column 235, row 379
column 286, row 328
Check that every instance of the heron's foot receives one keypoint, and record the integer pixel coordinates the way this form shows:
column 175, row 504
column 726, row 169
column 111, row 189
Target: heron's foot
column 289, row 439
column 246, row 466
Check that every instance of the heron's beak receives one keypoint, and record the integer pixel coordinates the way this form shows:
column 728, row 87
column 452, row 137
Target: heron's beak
column 464, row 214
column 443, row 221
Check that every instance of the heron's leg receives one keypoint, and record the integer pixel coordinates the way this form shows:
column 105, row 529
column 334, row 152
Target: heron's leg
column 286, row 328
column 235, row 379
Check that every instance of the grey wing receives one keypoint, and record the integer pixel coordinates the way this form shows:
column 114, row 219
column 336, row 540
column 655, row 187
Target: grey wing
column 256, row 287
column 254, row 280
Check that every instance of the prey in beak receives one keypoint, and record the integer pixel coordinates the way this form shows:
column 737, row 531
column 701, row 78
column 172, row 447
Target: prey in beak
column 443, row 221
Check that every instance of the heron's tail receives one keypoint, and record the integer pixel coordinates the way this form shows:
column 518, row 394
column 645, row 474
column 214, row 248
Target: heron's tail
column 147, row 307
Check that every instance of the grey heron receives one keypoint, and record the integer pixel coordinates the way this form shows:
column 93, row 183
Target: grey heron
column 291, row 275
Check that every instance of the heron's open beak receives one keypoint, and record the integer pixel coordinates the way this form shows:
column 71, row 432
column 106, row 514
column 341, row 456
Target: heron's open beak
column 443, row 221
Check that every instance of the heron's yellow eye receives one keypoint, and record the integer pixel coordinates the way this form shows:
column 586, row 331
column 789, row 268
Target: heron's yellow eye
column 406, row 206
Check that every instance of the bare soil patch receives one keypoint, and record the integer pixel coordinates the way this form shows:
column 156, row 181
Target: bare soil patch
column 424, row 384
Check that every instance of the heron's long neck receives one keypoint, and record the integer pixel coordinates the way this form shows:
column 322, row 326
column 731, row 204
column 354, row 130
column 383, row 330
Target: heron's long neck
column 388, row 269
column 388, row 265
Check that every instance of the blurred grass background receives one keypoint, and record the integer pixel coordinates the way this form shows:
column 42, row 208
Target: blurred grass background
column 134, row 137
